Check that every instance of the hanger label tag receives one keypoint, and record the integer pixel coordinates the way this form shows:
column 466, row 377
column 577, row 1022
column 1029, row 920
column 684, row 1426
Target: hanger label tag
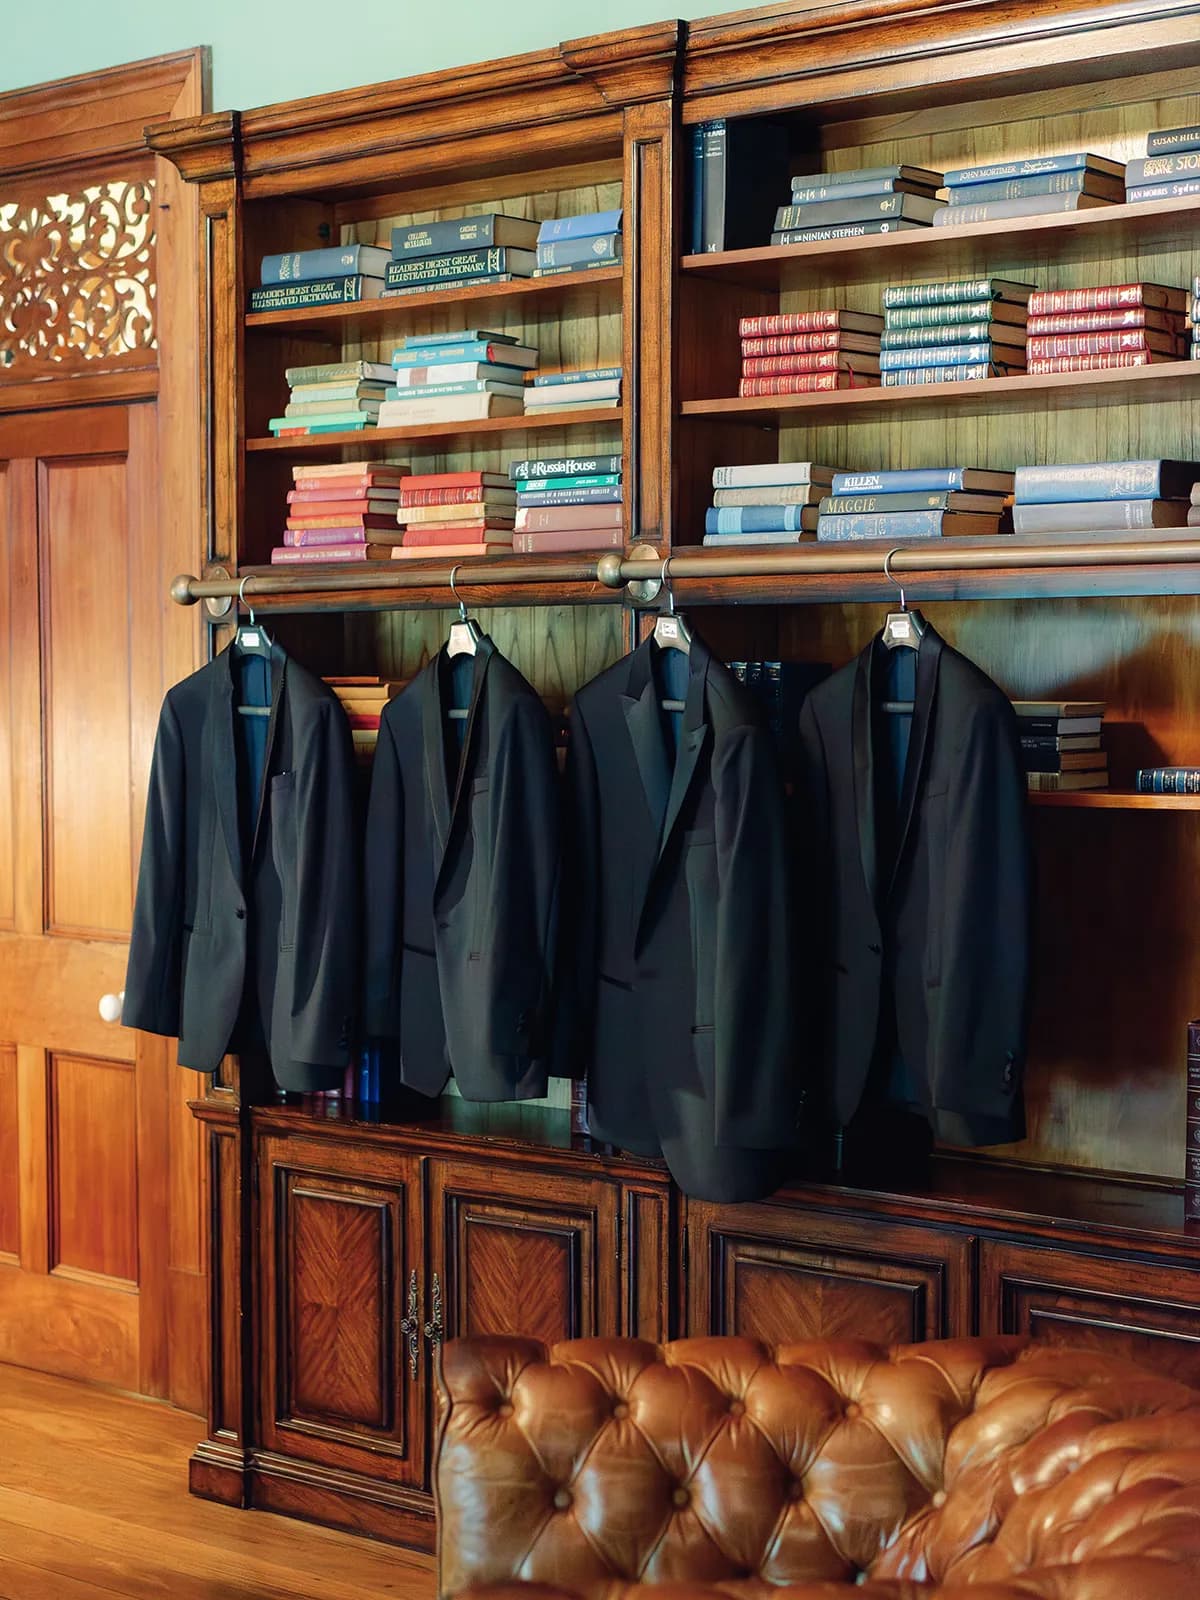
column 899, row 629
column 667, row 628
column 251, row 638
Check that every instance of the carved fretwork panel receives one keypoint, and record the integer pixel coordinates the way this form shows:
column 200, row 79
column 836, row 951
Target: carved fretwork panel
column 77, row 280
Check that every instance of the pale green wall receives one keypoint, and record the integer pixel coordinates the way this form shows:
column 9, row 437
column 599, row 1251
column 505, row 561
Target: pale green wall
column 283, row 49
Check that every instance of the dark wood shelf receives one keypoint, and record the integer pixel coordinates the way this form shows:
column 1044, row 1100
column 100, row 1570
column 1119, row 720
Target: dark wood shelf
column 1058, row 391
column 1117, row 800
column 1015, row 248
column 488, row 433
column 378, row 319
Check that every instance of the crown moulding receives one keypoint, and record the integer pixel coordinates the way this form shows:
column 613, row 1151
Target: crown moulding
column 203, row 148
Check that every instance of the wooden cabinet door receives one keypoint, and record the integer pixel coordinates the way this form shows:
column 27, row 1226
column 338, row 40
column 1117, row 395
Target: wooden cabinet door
column 343, row 1369
column 84, row 1108
column 1147, row 1311
column 515, row 1250
column 780, row 1274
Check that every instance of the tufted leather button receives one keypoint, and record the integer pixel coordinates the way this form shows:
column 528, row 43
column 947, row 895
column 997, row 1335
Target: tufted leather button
column 796, row 1489
column 562, row 1499
column 680, row 1497
column 853, row 1409
column 504, row 1409
column 620, row 1411
column 938, row 1498
column 736, row 1408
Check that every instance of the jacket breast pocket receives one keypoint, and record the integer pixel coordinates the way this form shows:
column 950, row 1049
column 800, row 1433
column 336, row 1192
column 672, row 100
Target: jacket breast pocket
column 285, row 853
column 700, row 876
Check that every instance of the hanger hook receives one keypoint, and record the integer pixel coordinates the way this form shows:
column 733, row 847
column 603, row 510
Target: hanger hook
column 462, row 605
column 664, row 578
column 888, row 573
column 242, row 601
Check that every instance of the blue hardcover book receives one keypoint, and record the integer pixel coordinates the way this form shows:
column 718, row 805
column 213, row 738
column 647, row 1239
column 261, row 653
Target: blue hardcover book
column 314, row 292
column 1076, row 182
column 460, row 336
column 337, row 260
column 599, row 247
column 490, row 230
column 1107, row 480
column 548, row 380
column 940, row 355
column 723, row 540
column 1167, row 780
column 1031, row 167
column 969, row 372
column 845, row 191
column 428, row 355
column 1162, row 169
column 1165, row 140
column 922, row 480
column 426, row 391
column 882, row 525
column 583, row 227
column 1176, row 189
column 756, row 519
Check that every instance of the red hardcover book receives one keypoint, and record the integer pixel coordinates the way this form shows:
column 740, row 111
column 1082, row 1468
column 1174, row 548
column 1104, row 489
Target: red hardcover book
column 807, row 383
column 824, row 321
column 535, row 519
column 818, row 361
column 1104, row 321
column 364, row 521
column 323, row 538
column 465, row 495
column 454, row 480
column 363, row 719
column 1191, row 1159
column 557, row 541
column 1101, row 344
column 1108, row 297
column 455, row 533
column 307, row 505
column 347, row 488
column 1121, row 358
column 796, row 344
column 342, row 471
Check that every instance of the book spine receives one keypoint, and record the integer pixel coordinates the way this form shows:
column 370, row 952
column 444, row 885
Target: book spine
column 304, row 265
column 889, row 525
column 1016, row 188
column 866, row 188
column 1097, row 516
column 1191, row 1156
column 1109, row 297
column 940, row 355
column 601, row 250
column 1035, row 166
column 1177, row 189
column 468, row 494
column 300, row 296
column 1087, row 344
column 898, row 296
column 1157, row 169
column 549, row 540
column 1097, row 480
column 1040, row 366
column 349, row 371
column 549, row 519
column 911, row 480
column 835, row 211
column 444, row 238
column 571, row 497
column 792, row 344
column 429, row 357
column 1168, row 780
column 771, row 366
column 298, row 538
column 755, row 519
column 428, row 391
column 857, row 505
column 1166, row 140
column 946, row 316
column 697, row 191
column 969, row 372
column 939, row 333
column 552, row 380
column 805, row 383
column 1091, row 321
column 562, row 466
column 580, row 227
column 573, row 480
column 283, row 554
column 997, row 210
column 437, row 269
column 713, row 174
column 399, row 290
column 790, row 322
column 841, row 230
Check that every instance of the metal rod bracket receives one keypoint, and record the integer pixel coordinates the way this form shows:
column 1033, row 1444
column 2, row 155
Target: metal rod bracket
column 644, row 591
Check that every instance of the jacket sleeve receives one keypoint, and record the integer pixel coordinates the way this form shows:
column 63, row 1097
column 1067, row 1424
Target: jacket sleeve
column 384, row 890
column 755, row 1022
column 153, row 979
column 522, row 914
column 328, row 914
column 579, row 943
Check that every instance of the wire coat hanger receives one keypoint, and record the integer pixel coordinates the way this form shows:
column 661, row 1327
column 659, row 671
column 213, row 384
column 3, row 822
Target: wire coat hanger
column 465, row 636
column 671, row 632
column 903, row 629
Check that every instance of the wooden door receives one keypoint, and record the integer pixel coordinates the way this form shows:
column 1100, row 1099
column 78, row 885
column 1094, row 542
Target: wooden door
column 84, row 1115
column 780, row 1275
column 343, row 1368
column 522, row 1252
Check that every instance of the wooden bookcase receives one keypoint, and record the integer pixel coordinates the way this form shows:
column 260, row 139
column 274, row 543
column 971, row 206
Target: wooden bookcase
column 454, row 1218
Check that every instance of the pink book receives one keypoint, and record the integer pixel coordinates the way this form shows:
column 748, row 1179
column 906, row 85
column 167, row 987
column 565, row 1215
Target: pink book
column 293, row 538
column 283, row 554
column 556, row 541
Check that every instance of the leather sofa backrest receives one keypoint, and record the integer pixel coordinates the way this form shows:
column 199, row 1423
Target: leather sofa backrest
column 718, row 1460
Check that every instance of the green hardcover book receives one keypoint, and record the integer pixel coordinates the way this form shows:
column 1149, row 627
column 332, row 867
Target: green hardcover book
column 952, row 333
column 463, row 265
column 319, row 292
column 580, row 480
column 325, row 423
column 955, row 289
column 954, row 315
column 336, row 392
column 582, row 266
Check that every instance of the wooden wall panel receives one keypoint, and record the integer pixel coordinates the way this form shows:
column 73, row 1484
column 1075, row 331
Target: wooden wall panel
column 86, row 582
column 10, row 1155
column 93, row 1167
column 8, row 906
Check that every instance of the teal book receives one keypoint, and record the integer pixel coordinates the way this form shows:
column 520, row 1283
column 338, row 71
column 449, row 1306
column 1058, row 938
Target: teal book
column 334, row 422
column 950, row 315
column 955, row 290
column 574, row 480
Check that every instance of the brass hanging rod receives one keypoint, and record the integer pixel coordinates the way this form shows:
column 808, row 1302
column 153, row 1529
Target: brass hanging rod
column 644, row 566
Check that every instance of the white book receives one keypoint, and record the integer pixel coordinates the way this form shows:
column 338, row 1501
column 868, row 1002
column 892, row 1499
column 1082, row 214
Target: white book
column 572, row 393
column 771, row 472
column 447, row 408
column 454, row 372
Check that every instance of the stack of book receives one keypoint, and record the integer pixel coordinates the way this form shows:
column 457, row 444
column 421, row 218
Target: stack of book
column 454, row 514
column 1103, row 497
column 584, row 389
column 489, row 248
column 774, row 502
column 1170, row 169
column 1115, row 325
column 456, row 377
column 327, row 277
column 917, row 503
column 798, row 352
column 951, row 331
column 363, row 700
column 340, row 511
column 1061, row 744
column 578, row 244
column 1075, row 181
column 847, row 205
column 572, row 503
column 339, row 397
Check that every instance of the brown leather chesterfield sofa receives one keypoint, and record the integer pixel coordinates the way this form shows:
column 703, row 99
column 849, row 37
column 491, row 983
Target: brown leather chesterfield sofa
column 719, row 1469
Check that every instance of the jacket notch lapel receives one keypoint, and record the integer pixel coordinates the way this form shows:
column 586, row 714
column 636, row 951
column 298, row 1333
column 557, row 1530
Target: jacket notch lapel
column 687, row 755
column 639, row 703
column 454, row 804
column 928, row 660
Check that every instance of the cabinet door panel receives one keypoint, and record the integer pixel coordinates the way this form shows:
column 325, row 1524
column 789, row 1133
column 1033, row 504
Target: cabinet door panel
column 769, row 1273
column 1147, row 1312
column 524, row 1252
column 340, row 1229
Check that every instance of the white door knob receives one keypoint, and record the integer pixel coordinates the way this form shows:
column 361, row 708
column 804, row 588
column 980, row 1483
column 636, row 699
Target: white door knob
column 110, row 1006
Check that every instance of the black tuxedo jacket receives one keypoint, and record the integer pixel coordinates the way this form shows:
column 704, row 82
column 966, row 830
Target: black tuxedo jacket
column 677, row 977
column 937, row 923
column 246, row 923
column 462, row 883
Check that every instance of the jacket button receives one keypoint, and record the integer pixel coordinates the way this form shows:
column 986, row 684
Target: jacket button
column 875, row 949
column 240, row 913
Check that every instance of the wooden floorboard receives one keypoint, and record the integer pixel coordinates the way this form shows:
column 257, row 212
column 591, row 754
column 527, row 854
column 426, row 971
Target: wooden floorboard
column 94, row 1504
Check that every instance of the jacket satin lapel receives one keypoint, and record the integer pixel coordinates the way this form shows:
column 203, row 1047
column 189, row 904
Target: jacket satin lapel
column 928, row 659
column 222, row 759
column 644, row 721
column 864, row 769
column 691, row 743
